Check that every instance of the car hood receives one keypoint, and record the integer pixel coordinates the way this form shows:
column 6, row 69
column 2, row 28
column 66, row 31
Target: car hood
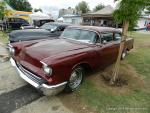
column 53, row 48
column 31, row 34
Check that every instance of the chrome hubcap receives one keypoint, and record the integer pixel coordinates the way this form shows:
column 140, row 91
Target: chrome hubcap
column 76, row 78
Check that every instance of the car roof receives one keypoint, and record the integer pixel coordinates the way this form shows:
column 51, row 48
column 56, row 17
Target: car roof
column 59, row 24
column 96, row 28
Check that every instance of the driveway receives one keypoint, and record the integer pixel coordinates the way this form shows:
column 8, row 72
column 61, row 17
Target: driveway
column 19, row 97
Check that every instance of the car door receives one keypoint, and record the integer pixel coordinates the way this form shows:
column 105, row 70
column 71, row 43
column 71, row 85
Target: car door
column 107, row 50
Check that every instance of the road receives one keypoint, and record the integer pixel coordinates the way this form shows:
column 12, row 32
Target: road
column 17, row 96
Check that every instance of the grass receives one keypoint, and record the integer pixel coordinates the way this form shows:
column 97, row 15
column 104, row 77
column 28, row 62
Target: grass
column 105, row 102
column 3, row 38
column 140, row 58
column 137, row 100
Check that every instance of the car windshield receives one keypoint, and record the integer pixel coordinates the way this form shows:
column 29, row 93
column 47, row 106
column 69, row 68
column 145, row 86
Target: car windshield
column 48, row 26
column 79, row 35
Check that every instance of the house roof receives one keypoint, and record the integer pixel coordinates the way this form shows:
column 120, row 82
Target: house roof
column 39, row 16
column 105, row 12
column 71, row 15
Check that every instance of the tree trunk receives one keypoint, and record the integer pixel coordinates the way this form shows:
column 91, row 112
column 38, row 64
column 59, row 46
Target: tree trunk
column 117, row 64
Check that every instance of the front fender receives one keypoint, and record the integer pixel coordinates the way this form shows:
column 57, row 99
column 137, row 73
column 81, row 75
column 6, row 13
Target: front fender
column 62, row 67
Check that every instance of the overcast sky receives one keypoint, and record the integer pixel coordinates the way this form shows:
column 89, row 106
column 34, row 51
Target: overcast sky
column 53, row 6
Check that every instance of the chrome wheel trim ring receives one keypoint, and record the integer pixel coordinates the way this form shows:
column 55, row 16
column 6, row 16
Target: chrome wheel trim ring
column 75, row 78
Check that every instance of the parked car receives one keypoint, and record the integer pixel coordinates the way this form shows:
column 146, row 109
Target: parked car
column 55, row 26
column 28, row 34
column 16, row 23
column 48, row 30
column 52, row 65
column 39, row 23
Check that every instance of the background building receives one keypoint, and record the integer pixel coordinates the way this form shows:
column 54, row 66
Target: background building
column 72, row 19
column 63, row 12
column 103, row 17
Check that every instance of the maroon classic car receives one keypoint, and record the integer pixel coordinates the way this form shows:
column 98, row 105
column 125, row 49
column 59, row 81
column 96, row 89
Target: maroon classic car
column 54, row 65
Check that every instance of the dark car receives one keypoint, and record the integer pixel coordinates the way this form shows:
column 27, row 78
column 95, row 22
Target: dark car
column 48, row 30
column 39, row 23
column 55, row 26
column 16, row 23
column 28, row 34
column 52, row 65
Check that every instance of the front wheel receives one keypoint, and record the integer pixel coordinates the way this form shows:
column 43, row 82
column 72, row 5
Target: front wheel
column 75, row 79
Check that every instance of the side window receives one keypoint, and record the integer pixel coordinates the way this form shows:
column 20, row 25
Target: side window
column 117, row 36
column 106, row 37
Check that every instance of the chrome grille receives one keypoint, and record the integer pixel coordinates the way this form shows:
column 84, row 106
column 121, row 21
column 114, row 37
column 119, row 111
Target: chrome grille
column 30, row 75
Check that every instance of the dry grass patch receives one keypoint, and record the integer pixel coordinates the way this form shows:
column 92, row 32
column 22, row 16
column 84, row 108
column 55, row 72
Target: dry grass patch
column 128, row 80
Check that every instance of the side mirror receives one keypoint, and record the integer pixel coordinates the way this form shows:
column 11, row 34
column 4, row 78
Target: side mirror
column 99, row 44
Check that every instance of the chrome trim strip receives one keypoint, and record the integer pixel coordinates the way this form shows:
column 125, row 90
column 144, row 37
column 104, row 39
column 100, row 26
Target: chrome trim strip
column 54, row 86
column 44, row 63
column 10, row 45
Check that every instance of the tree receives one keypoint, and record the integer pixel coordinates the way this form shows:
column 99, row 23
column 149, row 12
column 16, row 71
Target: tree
column 21, row 5
column 2, row 10
column 83, row 7
column 36, row 10
column 128, row 13
column 98, row 7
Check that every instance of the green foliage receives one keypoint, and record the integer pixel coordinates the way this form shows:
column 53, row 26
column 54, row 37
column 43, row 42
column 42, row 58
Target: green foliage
column 129, row 10
column 2, row 9
column 36, row 10
column 83, row 7
column 21, row 5
column 98, row 7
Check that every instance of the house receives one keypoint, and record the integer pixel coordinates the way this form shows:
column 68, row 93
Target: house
column 72, row 19
column 142, row 22
column 63, row 12
column 103, row 17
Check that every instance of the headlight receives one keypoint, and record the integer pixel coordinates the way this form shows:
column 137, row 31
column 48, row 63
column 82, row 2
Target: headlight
column 22, row 27
column 11, row 50
column 46, row 69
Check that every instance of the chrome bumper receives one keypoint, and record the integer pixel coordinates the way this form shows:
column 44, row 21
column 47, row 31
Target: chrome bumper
column 46, row 89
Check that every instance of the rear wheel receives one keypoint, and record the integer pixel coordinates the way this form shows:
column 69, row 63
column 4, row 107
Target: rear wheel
column 75, row 79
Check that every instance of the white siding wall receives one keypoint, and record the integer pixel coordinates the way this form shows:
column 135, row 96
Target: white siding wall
column 142, row 22
column 73, row 20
